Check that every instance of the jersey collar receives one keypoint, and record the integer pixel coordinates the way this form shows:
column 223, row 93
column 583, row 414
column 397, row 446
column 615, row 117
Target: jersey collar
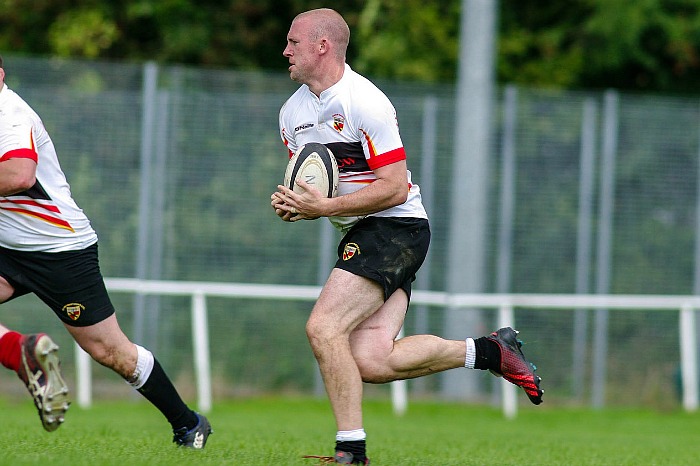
column 335, row 88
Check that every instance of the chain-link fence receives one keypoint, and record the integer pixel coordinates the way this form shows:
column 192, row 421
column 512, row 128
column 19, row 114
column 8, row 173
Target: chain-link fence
column 175, row 167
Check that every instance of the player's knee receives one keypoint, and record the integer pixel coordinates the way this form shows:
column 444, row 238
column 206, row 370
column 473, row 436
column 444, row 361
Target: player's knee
column 319, row 335
column 111, row 357
column 373, row 371
column 373, row 367
column 103, row 354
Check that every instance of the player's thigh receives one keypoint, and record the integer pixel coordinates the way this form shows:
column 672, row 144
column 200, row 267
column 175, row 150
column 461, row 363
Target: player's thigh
column 345, row 300
column 374, row 337
column 105, row 341
column 10, row 266
column 6, row 290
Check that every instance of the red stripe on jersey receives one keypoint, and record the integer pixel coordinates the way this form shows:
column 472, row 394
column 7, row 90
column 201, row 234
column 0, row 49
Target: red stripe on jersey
column 286, row 144
column 387, row 158
column 366, row 181
column 46, row 218
column 49, row 207
column 23, row 153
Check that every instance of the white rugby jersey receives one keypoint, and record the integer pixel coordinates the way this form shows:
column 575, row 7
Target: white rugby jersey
column 44, row 217
column 351, row 119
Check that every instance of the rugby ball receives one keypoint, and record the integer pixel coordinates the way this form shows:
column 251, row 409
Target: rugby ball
column 315, row 164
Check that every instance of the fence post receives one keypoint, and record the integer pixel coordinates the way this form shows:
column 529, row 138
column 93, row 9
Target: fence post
column 200, row 343
column 510, row 399
column 399, row 391
column 83, row 376
column 584, row 243
column 609, row 143
column 689, row 366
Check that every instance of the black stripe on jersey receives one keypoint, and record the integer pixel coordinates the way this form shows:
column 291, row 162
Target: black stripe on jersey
column 350, row 156
column 35, row 192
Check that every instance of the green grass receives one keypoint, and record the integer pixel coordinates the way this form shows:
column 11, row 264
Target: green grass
column 278, row 431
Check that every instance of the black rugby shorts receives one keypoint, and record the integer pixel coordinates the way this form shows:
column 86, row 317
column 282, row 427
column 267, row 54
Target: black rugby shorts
column 70, row 282
column 388, row 250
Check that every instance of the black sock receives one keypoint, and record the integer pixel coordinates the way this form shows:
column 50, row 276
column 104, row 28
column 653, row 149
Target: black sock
column 488, row 354
column 160, row 391
column 358, row 448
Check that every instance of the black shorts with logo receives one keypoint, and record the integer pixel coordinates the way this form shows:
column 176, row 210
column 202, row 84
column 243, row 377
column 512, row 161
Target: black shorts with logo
column 388, row 250
column 70, row 282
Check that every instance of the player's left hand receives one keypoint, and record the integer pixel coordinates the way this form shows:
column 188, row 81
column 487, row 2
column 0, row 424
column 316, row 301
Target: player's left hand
column 307, row 205
column 282, row 210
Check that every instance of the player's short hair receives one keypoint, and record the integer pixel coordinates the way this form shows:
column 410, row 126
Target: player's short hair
column 0, row 61
column 330, row 23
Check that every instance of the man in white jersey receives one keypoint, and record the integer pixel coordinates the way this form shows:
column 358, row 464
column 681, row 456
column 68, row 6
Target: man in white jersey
column 361, row 309
column 47, row 247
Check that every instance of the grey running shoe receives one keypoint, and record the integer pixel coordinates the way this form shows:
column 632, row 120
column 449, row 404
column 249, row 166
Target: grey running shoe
column 514, row 367
column 196, row 437
column 40, row 370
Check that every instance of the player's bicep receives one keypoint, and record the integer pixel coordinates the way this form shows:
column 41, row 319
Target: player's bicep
column 395, row 174
column 393, row 171
column 19, row 165
column 16, row 175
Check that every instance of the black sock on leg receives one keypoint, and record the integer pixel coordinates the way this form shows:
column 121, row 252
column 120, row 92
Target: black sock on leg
column 488, row 354
column 358, row 448
column 159, row 390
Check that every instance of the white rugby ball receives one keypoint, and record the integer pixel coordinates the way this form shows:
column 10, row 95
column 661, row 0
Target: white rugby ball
column 315, row 164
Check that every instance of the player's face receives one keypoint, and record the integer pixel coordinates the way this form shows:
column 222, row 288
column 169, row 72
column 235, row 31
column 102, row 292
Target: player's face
column 301, row 52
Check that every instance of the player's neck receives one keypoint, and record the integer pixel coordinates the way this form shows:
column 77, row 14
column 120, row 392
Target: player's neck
column 327, row 79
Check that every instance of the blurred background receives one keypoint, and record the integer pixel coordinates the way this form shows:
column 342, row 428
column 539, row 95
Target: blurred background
column 587, row 139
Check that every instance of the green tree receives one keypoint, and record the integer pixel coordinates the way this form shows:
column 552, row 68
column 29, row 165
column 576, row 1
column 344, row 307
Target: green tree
column 642, row 45
column 418, row 46
column 633, row 45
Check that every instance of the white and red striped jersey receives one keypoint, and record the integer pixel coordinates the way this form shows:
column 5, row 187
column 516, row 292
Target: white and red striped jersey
column 44, row 217
column 357, row 122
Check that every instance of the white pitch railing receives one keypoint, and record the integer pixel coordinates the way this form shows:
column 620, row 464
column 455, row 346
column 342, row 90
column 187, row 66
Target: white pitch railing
column 504, row 303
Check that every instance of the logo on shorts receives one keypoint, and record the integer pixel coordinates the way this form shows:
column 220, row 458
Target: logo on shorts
column 73, row 310
column 338, row 122
column 350, row 250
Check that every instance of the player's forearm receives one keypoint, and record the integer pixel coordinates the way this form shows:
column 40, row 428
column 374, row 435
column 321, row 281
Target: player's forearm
column 375, row 197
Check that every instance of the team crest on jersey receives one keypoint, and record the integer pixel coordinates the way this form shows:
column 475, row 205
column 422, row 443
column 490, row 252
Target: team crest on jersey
column 350, row 250
column 338, row 122
column 73, row 310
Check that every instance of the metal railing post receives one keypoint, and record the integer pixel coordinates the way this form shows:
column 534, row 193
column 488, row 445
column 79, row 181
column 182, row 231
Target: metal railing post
column 83, row 377
column 200, row 343
column 509, row 401
column 689, row 365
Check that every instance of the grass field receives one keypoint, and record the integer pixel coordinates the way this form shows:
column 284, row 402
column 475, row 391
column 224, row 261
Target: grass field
column 278, row 431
